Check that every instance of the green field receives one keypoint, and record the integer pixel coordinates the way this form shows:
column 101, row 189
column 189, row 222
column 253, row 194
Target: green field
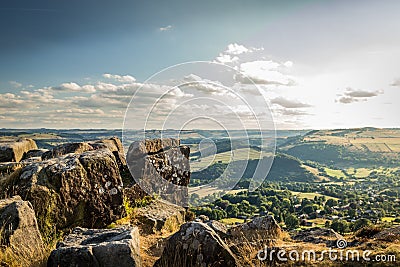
column 335, row 173
column 225, row 157
column 310, row 195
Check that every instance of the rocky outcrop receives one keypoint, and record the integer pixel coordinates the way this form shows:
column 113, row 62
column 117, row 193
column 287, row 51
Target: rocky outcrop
column 112, row 144
column 318, row 235
column 34, row 153
column 64, row 149
column 13, row 150
column 160, row 217
column 161, row 166
column 74, row 190
column 196, row 244
column 98, row 248
column 256, row 229
column 19, row 228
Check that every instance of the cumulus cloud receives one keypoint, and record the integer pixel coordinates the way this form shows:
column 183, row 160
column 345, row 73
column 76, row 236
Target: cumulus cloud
column 233, row 51
column 74, row 87
column 288, row 103
column 264, row 72
column 292, row 112
column 204, row 85
column 166, row 28
column 119, row 78
column 396, row 83
column 351, row 95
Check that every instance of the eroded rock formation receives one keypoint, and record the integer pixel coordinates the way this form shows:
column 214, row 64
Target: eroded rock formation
column 73, row 190
column 160, row 217
column 13, row 149
column 161, row 166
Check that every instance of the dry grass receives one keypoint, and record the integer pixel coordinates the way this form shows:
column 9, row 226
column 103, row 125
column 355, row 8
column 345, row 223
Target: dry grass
column 24, row 255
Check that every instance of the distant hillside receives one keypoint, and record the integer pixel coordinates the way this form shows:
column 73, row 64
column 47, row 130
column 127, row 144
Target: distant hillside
column 346, row 148
column 284, row 168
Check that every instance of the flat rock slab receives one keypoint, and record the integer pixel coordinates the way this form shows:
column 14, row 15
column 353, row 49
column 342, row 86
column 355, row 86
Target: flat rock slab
column 98, row 247
column 160, row 217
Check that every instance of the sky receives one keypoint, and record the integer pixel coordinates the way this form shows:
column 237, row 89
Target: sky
column 112, row 64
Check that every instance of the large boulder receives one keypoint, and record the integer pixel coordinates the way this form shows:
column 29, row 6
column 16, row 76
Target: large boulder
column 98, row 248
column 74, row 190
column 34, row 153
column 14, row 149
column 196, row 244
column 150, row 146
column 67, row 148
column 161, row 166
column 113, row 144
column 160, row 217
column 19, row 228
column 256, row 229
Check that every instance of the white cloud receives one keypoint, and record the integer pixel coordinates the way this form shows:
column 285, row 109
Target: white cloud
column 74, row 87
column 236, row 49
column 396, row 83
column 204, row 85
column 166, row 28
column 352, row 95
column 288, row 103
column 264, row 72
column 224, row 58
column 232, row 52
column 119, row 78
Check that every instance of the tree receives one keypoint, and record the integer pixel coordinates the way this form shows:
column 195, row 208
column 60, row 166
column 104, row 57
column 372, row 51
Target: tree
column 291, row 221
column 309, row 208
column 331, row 202
column 340, row 226
column 361, row 223
column 232, row 211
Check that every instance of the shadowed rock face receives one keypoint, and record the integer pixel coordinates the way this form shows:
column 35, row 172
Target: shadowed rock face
column 161, row 166
column 19, row 227
column 98, row 248
column 13, row 150
column 74, row 190
column 196, row 244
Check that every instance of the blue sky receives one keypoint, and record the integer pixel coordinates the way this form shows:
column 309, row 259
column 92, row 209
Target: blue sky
column 318, row 64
